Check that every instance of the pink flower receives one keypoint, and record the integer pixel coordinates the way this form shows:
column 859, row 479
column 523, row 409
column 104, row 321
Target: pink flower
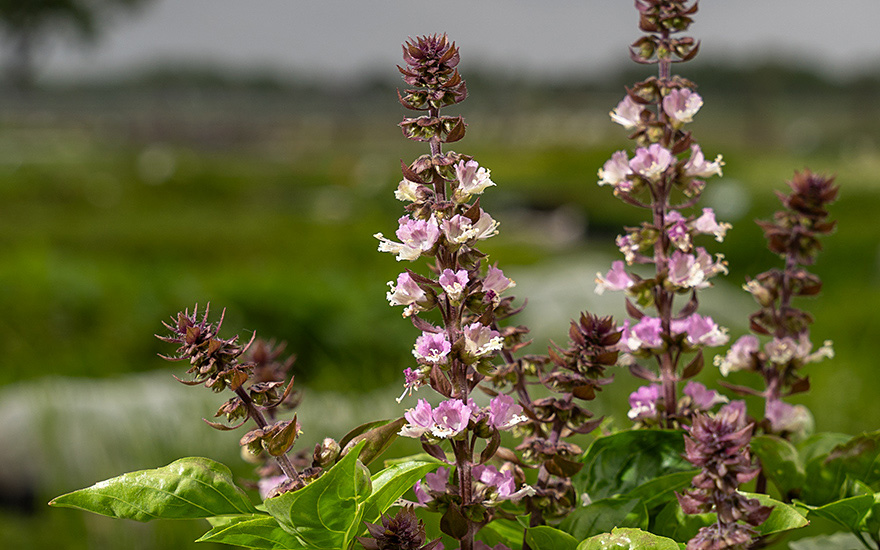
column 432, row 347
column 701, row 330
column 701, row 397
column 739, row 356
column 679, row 235
column 628, row 113
column 697, row 167
column 651, row 162
column 681, row 105
column 420, row 420
column 616, row 279
column 504, row 413
column 645, row 333
column 472, row 180
column 417, row 236
column 494, row 283
column 501, row 481
column 406, row 293
column 480, row 340
column 616, row 170
column 453, row 283
column 451, row 417
column 408, row 190
column 687, row 271
column 460, row 229
column 413, row 380
column 643, row 402
column 789, row 418
column 707, row 225
column 436, row 482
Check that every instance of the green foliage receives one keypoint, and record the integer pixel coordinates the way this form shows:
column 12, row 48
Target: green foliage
column 548, row 538
column 253, row 531
column 628, row 539
column 620, row 463
column 391, row 483
column 186, row 488
column 603, row 515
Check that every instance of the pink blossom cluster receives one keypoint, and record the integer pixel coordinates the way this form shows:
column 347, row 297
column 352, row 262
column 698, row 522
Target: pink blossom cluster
column 743, row 354
column 451, row 417
column 700, row 330
column 643, row 402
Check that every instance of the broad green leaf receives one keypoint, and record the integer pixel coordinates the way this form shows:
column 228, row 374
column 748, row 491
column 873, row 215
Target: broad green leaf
column 252, row 531
column 391, row 483
column 618, row 463
column 662, row 489
column 820, row 444
column 628, row 539
column 548, row 538
column 326, row 514
column 187, row 488
column 859, row 457
column 603, row 515
column 784, row 517
column 505, row 531
column 780, row 463
column 673, row 523
column 826, row 481
column 847, row 512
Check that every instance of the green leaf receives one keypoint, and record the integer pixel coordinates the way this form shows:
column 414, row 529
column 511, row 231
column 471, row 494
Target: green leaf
column 827, row 481
column 628, row 539
column 326, row 514
column 187, row 488
column 673, row 523
column 662, row 489
column 505, row 531
column 820, row 444
column 548, row 538
column 859, row 457
column 780, row 463
column 251, row 531
column 847, row 512
column 784, row 517
column 391, row 483
column 603, row 515
column 618, row 463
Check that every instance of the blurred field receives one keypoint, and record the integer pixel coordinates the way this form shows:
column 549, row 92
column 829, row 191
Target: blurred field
column 124, row 204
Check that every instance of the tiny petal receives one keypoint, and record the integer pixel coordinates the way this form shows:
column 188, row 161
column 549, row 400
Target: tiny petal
column 451, row 417
column 698, row 167
column 480, row 340
column 472, row 179
column 616, row 279
column 681, row 105
column 707, row 225
column 453, row 283
column 420, row 419
column 504, row 413
column 615, row 170
column 432, row 347
column 628, row 113
column 703, row 398
column 651, row 162
column 643, row 402
column 739, row 356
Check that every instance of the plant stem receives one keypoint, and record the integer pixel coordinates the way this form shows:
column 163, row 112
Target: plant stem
column 257, row 416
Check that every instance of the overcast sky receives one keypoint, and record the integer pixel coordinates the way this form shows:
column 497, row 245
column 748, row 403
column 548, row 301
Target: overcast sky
column 347, row 38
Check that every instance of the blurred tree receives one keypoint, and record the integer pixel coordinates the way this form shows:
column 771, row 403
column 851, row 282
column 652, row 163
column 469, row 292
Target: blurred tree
column 26, row 24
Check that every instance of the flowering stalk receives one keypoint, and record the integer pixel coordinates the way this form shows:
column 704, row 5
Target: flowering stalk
column 666, row 176
column 444, row 223
column 719, row 445
column 215, row 363
column 793, row 235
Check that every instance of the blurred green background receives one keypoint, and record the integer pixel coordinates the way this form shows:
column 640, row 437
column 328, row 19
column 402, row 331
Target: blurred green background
column 126, row 201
